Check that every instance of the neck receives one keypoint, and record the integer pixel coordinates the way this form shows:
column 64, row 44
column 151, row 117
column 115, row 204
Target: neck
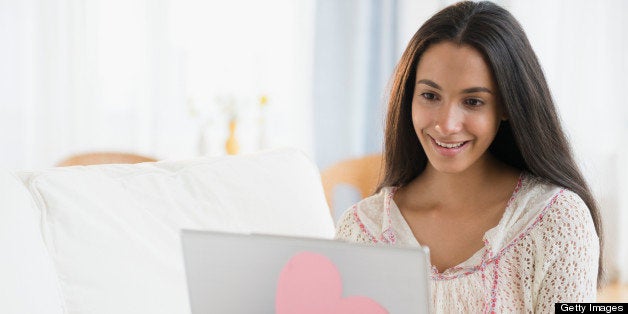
column 466, row 189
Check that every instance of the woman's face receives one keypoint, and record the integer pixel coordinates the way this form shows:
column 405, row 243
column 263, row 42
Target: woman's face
column 455, row 107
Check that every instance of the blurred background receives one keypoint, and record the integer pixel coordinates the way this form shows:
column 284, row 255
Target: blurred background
column 175, row 79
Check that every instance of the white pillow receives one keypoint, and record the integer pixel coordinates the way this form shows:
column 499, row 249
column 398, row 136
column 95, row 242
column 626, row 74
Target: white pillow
column 28, row 282
column 113, row 230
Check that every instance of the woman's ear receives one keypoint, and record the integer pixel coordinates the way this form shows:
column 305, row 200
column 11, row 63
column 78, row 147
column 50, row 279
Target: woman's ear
column 504, row 114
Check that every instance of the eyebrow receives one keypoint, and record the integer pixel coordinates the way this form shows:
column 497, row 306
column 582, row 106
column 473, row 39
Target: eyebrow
column 464, row 91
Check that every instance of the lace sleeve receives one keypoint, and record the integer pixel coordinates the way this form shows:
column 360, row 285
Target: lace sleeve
column 570, row 254
column 348, row 228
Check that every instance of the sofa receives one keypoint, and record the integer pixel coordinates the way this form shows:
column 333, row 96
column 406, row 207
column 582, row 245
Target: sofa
column 105, row 238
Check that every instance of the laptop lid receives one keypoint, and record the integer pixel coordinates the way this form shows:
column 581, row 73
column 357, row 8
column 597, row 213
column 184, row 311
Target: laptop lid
column 234, row 273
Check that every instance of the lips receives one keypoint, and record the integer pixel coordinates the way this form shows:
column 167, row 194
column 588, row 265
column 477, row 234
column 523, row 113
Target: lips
column 449, row 145
column 449, row 148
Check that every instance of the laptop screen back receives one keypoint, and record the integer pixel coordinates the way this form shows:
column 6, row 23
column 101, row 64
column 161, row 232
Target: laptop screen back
column 231, row 273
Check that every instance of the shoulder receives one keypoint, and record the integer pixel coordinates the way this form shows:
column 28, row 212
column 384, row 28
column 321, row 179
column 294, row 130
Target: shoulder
column 540, row 201
column 555, row 208
column 563, row 233
column 545, row 217
column 362, row 221
column 568, row 217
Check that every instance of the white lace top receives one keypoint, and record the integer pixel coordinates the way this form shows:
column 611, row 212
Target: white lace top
column 544, row 250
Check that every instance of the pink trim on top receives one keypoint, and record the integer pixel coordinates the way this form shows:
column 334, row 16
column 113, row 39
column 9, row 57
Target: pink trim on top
column 536, row 221
column 388, row 235
column 362, row 226
column 491, row 259
column 496, row 259
column 494, row 287
column 487, row 256
column 516, row 191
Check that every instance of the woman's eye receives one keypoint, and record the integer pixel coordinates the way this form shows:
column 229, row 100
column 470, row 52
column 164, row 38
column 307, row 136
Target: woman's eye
column 429, row 96
column 473, row 102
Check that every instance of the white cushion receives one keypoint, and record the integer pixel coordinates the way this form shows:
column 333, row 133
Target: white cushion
column 113, row 230
column 28, row 283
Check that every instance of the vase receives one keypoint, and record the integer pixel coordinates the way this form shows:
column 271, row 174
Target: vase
column 231, row 146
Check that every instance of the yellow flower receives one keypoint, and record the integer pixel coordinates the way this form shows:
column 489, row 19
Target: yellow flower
column 263, row 100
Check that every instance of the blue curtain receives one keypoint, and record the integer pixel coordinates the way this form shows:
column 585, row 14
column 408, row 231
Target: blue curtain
column 355, row 54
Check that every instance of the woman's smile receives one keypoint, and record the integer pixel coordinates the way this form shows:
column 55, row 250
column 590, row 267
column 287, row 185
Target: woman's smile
column 448, row 148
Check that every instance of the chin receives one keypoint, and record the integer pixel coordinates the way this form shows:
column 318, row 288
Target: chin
column 449, row 169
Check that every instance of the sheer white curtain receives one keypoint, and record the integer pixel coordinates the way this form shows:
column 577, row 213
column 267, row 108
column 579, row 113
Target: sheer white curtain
column 84, row 75
column 132, row 75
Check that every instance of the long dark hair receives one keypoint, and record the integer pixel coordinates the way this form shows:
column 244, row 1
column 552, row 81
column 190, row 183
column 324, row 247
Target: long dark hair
column 532, row 139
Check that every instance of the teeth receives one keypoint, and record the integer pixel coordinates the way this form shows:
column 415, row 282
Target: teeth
column 449, row 145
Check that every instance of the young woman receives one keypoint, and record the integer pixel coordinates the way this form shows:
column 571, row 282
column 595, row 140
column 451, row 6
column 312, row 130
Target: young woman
column 478, row 169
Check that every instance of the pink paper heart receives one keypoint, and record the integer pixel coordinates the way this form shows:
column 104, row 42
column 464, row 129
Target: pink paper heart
column 310, row 284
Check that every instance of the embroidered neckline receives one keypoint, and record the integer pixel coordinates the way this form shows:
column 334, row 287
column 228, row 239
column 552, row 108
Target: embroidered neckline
column 488, row 256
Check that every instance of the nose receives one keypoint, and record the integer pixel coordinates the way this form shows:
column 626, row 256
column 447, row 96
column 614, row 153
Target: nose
column 448, row 119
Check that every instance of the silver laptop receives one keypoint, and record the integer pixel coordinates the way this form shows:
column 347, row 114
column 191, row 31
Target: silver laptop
column 233, row 273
